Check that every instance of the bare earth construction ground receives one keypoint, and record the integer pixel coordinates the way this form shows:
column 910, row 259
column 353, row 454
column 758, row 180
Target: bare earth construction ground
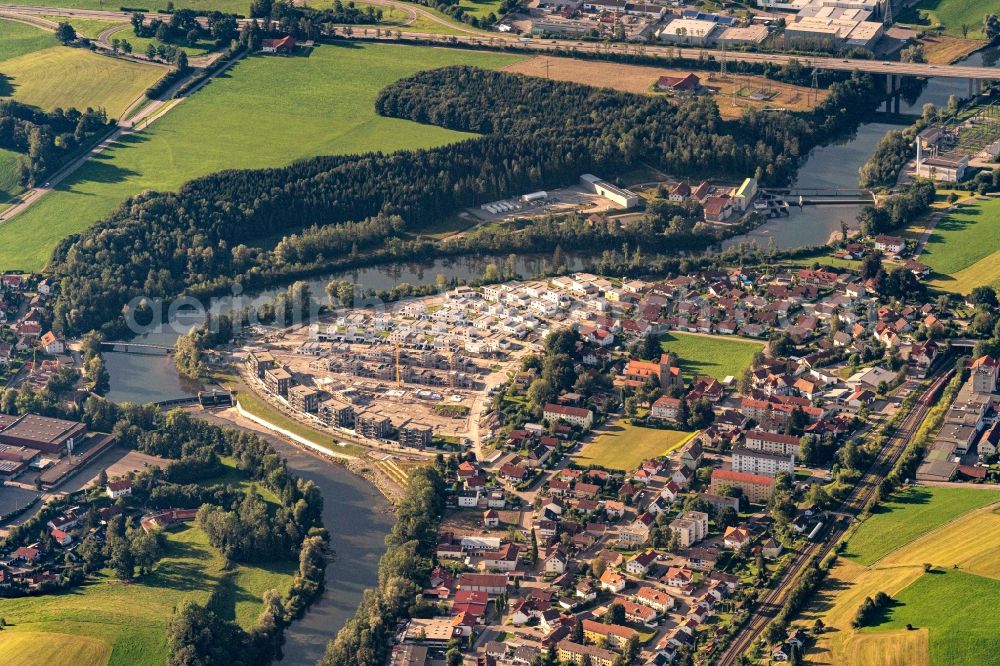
column 640, row 79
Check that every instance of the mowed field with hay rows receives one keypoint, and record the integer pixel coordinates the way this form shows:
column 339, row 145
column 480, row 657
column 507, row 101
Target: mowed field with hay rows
column 265, row 111
column 40, row 72
column 936, row 552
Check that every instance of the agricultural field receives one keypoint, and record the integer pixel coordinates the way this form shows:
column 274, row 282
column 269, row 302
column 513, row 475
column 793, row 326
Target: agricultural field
column 229, row 6
column 938, row 527
column 278, row 98
column 909, row 514
column 20, row 39
column 624, row 446
column 58, row 76
column 958, row 610
column 640, row 79
column 140, row 44
column 964, row 248
column 107, row 621
column 951, row 15
column 715, row 356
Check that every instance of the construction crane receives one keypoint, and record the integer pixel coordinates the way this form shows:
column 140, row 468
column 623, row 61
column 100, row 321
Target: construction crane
column 451, row 367
column 399, row 368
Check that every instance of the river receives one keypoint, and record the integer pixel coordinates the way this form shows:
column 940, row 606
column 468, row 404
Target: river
column 835, row 166
column 358, row 518
column 143, row 378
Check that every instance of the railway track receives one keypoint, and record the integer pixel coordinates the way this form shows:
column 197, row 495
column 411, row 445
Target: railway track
column 854, row 504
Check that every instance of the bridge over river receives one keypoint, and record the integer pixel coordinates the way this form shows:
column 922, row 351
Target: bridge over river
column 137, row 348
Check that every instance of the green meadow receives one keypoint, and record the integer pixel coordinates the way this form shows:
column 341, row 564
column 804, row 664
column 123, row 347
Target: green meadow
column 265, row 111
column 909, row 514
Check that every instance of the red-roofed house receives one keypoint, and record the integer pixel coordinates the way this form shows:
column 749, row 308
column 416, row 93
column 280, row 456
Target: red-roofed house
column 685, row 84
column 285, row 45
column 756, row 488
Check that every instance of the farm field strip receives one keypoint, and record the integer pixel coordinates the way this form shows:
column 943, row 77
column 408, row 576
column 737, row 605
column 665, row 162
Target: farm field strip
column 20, row 39
column 640, row 79
column 909, row 514
column 68, row 77
column 959, row 541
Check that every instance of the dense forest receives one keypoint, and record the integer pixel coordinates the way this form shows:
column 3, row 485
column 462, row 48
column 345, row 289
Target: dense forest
column 537, row 134
column 44, row 139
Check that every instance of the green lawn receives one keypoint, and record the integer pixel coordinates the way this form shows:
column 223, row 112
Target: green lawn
column 129, row 620
column 951, row 14
column 715, row 357
column 958, row 610
column 966, row 236
column 20, row 39
column 267, row 111
column 624, row 446
column 909, row 514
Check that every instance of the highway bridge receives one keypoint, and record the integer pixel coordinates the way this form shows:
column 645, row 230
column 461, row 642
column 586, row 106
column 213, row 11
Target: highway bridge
column 893, row 70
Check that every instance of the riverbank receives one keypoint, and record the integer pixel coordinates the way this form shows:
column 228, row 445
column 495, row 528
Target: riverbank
column 358, row 518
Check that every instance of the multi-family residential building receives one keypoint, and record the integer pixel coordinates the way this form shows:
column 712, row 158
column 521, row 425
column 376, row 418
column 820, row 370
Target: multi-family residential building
column 578, row 416
column 574, row 653
column 751, row 461
column 769, row 442
column 756, row 488
column 303, row 398
column 373, row 426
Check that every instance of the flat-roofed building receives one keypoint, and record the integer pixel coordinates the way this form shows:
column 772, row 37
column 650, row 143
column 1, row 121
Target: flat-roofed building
column 337, row 413
column 258, row 362
column 752, row 34
column 42, row 433
column 433, row 632
column 688, row 31
column 304, row 399
column 622, row 197
column 416, row 435
column 277, row 381
column 372, row 426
